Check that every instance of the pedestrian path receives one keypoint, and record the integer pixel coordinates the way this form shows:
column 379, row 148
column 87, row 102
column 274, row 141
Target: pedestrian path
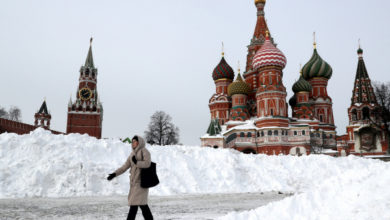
column 203, row 206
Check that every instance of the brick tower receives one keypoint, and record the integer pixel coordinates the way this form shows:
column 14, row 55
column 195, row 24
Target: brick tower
column 250, row 75
column 272, row 108
column 42, row 117
column 220, row 103
column 85, row 114
column 300, row 103
column 238, row 91
column 364, row 137
column 318, row 72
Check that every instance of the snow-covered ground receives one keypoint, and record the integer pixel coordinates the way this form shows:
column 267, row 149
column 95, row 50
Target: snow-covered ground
column 45, row 165
column 185, row 207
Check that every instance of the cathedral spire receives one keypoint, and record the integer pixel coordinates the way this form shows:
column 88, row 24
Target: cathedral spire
column 363, row 91
column 259, row 35
column 89, row 60
column 261, row 24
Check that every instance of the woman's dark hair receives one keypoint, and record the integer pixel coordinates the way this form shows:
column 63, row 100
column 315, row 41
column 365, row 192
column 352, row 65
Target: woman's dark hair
column 135, row 138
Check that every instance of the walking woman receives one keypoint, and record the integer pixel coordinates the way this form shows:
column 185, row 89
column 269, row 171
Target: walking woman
column 138, row 196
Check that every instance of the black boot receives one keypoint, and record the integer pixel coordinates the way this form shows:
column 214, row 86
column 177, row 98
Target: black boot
column 146, row 212
column 132, row 212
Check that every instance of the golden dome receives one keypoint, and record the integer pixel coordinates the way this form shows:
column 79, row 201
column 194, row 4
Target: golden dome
column 259, row 1
column 239, row 87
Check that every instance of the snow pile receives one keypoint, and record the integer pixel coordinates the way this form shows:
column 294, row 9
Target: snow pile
column 360, row 194
column 42, row 164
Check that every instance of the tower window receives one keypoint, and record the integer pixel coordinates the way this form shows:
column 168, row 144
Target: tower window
column 276, row 133
column 262, row 133
column 366, row 113
column 272, row 112
column 303, row 132
column 354, row 115
column 249, row 134
column 242, row 134
column 269, row 133
column 295, row 133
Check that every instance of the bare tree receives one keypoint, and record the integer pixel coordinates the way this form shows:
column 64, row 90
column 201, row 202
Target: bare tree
column 382, row 119
column 3, row 113
column 161, row 130
column 14, row 113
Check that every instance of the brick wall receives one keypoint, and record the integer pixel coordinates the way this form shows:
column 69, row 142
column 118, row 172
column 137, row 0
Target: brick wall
column 18, row 127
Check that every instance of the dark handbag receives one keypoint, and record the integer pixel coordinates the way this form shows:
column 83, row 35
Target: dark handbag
column 149, row 176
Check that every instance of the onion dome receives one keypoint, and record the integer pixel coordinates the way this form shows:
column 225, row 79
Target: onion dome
column 301, row 86
column 293, row 101
column 239, row 87
column 360, row 51
column 223, row 71
column 316, row 67
column 268, row 55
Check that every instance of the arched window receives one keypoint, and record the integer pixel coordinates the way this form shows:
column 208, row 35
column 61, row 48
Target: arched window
column 354, row 115
column 249, row 134
column 272, row 112
column 295, row 133
column 242, row 134
column 303, row 132
column 276, row 133
column 262, row 133
column 366, row 113
column 269, row 133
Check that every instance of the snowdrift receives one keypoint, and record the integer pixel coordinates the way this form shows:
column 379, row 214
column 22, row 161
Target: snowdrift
column 44, row 165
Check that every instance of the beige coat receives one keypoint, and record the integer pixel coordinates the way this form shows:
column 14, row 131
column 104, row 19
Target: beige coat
column 137, row 194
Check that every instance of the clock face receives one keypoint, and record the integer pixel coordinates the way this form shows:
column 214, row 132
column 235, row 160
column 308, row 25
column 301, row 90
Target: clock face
column 85, row 93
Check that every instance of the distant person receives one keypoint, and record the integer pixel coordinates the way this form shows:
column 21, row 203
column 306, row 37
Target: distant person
column 138, row 196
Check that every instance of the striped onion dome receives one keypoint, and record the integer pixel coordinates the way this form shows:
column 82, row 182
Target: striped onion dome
column 316, row 67
column 268, row 55
column 239, row 87
column 301, row 86
column 223, row 71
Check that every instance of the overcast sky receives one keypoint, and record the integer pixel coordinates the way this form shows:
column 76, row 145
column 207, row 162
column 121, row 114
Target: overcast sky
column 159, row 55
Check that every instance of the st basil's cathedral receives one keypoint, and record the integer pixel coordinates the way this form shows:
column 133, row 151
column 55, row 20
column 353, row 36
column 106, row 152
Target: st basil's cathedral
column 249, row 112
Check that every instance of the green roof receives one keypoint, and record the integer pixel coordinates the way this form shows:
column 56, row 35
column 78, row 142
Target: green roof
column 127, row 140
column 89, row 60
column 214, row 127
column 43, row 108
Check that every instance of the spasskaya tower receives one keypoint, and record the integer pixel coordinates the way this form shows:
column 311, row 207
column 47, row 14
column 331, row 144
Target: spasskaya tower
column 85, row 114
